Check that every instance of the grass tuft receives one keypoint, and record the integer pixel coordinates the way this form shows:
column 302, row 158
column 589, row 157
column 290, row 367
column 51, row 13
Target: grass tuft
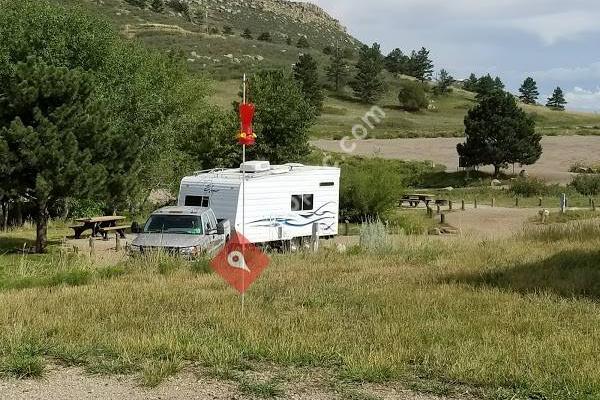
column 265, row 390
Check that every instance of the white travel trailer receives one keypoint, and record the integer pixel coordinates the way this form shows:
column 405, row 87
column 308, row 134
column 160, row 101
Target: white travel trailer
column 283, row 203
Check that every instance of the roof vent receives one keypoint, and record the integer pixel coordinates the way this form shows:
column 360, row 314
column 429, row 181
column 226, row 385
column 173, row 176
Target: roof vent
column 255, row 166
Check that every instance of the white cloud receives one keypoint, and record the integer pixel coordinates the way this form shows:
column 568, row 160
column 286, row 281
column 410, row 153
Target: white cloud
column 552, row 28
column 582, row 99
column 585, row 72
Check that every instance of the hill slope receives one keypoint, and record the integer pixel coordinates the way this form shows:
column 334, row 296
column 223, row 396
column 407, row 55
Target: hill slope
column 226, row 57
column 199, row 33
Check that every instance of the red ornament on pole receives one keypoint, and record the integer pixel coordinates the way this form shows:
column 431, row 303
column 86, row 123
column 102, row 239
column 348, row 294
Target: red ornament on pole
column 246, row 136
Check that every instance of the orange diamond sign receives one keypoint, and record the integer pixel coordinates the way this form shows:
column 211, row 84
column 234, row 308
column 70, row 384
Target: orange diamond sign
column 240, row 263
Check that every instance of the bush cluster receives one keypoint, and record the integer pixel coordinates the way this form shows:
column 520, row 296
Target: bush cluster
column 587, row 184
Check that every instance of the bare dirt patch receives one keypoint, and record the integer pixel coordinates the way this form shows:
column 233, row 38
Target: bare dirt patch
column 73, row 384
column 559, row 153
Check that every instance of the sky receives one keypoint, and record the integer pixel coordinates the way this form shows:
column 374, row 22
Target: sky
column 556, row 42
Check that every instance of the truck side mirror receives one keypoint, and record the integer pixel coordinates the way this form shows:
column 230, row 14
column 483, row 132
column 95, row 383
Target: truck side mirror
column 135, row 227
column 220, row 229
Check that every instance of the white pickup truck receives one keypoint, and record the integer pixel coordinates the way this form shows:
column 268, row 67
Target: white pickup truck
column 187, row 231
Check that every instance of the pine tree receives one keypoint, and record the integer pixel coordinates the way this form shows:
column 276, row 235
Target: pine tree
column 265, row 37
column 57, row 137
column 499, row 84
column 421, row 67
column 557, row 101
column 247, row 34
column 303, row 43
column 444, row 81
column 471, row 83
column 498, row 132
column 338, row 70
column 307, row 74
column 368, row 84
column 529, row 91
column 158, row 6
column 396, row 62
column 486, row 85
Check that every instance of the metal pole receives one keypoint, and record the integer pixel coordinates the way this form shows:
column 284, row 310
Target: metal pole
column 243, row 197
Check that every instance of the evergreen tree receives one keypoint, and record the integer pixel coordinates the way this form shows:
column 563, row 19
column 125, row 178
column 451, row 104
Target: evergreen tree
column 247, row 34
column 498, row 132
column 444, row 81
column 265, row 37
column 421, row 67
column 486, row 85
column 303, row 43
column 56, row 135
column 368, row 84
column 307, row 74
column 158, row 6
column 471, row 83
column 338, row 70
column 529, row 91
column 499, row 84
column 557, row 101
column 396, row 62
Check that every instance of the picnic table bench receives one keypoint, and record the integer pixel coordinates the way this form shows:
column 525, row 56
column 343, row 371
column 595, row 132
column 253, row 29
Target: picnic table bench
column 99, row 225
column 414, row 199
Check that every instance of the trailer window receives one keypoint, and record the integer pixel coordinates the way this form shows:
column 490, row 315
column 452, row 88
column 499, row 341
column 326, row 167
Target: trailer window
column 297, row 202
column 307, row 202
column 197, row 201
column 327, row 184
column 302, row 202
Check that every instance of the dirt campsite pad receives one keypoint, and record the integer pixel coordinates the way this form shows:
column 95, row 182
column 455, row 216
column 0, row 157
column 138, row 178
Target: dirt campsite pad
column 560, row 152
column 74, row 384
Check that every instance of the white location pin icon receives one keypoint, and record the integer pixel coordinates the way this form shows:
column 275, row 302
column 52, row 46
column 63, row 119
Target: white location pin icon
column 235, row 259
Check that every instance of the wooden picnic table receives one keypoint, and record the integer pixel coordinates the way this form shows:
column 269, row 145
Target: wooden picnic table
column 99, row 225
column 414, row 199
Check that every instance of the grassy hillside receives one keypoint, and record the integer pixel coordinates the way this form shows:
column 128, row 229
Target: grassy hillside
column 204, row 46
column 226, row 57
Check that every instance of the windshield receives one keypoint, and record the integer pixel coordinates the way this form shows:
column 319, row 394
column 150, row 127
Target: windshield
column 181, row 224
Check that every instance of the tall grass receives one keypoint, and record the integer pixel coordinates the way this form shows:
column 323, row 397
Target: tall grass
column 509, row 319
column 577, row 231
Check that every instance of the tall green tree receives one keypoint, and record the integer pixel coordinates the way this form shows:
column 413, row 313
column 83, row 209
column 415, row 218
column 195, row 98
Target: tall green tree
column 557, row 101
column 283, row 119
column 470, row 83
column 368, row 83
column 57, row 136
column 396, row 62
column 498, row 132
column 444, row 83
column 247, row 34
column 421, row 65
column 306, row 72
column 158, row 6
column 486, row 85
column 338, row 70
column 529, row 91
column 303, row 43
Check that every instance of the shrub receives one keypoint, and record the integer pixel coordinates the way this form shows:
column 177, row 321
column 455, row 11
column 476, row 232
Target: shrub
column 412, row 96
column 227, row 30
column 247, row 34
column 179, row 6
column 528, row 187
column 587, row 184
column 369, row 188
column 373, row 236
column 201, row 265
column 265, row 37
column 303, row 43
column 137, row 3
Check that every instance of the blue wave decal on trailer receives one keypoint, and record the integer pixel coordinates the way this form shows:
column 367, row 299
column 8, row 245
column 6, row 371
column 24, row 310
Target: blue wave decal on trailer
column 318, row 216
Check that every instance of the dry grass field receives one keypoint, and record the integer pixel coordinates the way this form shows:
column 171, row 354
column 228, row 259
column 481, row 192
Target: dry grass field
column 510, row 318
column 560, row 152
